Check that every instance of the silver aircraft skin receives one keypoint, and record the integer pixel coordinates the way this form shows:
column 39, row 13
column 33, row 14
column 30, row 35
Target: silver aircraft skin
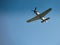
column 40, row 15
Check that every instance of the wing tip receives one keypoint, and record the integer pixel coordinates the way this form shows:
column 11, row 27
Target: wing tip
column 27, row 21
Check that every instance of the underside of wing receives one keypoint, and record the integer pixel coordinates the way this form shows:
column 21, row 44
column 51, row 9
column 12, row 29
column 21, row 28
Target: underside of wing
column 33, row 19
column 45, row 12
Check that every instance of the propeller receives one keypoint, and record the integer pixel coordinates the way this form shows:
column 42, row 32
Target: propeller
column 34, row 9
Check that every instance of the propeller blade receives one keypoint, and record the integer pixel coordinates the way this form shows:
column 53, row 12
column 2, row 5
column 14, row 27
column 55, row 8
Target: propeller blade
column 35, row 8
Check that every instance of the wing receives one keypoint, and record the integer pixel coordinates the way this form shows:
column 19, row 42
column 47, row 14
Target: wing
column 45, row 12
column 33, row 19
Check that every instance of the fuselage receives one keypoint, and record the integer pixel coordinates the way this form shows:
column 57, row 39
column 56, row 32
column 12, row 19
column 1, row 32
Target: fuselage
column 38, row 14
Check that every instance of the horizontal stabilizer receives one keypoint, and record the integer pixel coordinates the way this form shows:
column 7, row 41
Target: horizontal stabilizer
column 45, row 20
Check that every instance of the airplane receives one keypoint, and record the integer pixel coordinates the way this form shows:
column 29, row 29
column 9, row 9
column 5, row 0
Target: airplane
column 40, row 15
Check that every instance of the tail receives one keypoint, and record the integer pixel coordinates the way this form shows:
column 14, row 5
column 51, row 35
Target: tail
column 45, row 20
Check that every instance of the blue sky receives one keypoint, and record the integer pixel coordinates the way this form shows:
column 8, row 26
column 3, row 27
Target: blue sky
column 16, row 31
